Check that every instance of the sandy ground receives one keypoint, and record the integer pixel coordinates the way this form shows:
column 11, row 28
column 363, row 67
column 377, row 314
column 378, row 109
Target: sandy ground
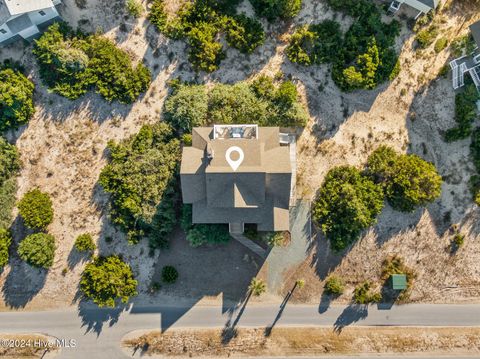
column 62, row 149
column 305, row 342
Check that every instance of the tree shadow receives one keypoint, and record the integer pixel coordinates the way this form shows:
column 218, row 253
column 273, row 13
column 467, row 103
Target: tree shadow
column 351, row 314
column 22, row 284
column 75, row 257
column 94, row 318
column 283, row 305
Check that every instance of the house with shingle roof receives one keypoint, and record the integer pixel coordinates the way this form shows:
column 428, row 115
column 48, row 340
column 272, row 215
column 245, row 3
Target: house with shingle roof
column 423, row 6
column 23, row 19
column 238, row 174
column 468, row 64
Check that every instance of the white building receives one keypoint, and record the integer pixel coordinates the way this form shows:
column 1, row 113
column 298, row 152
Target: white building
column 423, row 6
column 22, row 18
column 468, row 64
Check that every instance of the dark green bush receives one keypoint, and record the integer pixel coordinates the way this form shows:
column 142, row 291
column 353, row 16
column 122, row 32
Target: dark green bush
column 244, row 33
column 408, row 180
column 5, row 241
column 8, row 190
column 199, row 234
column 274, row 9
column 38, row 250
column 36, row 209
column 260, row 101
column 465, row 113
column 85, row 243
column 367, row 56
column 141, row 178
column 346, row 204
column 334, row 285
column 201, row 22
column 169, row 274
column 72, row 63
column 9, row 160
column 107, row 279
column 16, row 99
column 315, row 44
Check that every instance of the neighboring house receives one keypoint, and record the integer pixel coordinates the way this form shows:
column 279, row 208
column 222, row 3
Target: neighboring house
column 468, row 64
column 238, row 174
column 22, row 18
column 423, row 6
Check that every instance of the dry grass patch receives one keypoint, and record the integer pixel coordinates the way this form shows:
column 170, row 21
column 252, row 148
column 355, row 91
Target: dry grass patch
column 309, row 341
column 27, row 346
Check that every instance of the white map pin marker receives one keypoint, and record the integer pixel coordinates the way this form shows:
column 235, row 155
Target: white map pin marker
column 234, row 163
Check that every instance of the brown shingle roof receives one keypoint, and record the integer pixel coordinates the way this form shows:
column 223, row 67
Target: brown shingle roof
column 257, row 192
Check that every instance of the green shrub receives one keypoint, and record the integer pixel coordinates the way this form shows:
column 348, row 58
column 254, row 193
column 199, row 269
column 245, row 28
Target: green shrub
column 273, row 9
column 141, row 178
column 440, row 44
column 9, row 168
column 8, row 190
column 260, row 101
column 427, row 36
column 463, row 45
column 458, row 240
column 363, row 294
column 85, row 243
column 16, row 99
column 36, row 209
column 334, row 285
column 134, row 8
column 346, row 204
column 73, row 63
column 107, row 279
column 200, row 234
column 315, row 44
column 5, row 242
column 244, row 33
column 187, row 139
column 257, row 287
column 200, row 23
column 38, row 250
column 187, row 107
column 465, row 114
column 169, row 274
column 408, row 180
column 367, row 56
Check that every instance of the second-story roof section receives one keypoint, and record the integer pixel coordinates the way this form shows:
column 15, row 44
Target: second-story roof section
column 19, row 7
column 475, row 30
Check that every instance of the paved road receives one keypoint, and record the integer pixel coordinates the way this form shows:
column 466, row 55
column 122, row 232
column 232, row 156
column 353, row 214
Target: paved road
column 98, row 331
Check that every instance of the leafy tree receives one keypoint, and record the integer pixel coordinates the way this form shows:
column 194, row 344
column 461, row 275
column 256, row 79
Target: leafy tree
column 73, row 63
column 260, row 101
column 200, row 23
column 16, row 99
column 346, row 204
column 107, row 279
column 141, row 178
column 257, row 287
column 169, row 274
column 316, row 43
column 38, row 250
column 205, row 53
column 334, row 285
column 273, row 9
column 85, row 243
column 244, row 33
column 367, row 55
column 408, row 180
column 36, row 209
column 187, row 107
column 5, row 241
column 200, row 234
